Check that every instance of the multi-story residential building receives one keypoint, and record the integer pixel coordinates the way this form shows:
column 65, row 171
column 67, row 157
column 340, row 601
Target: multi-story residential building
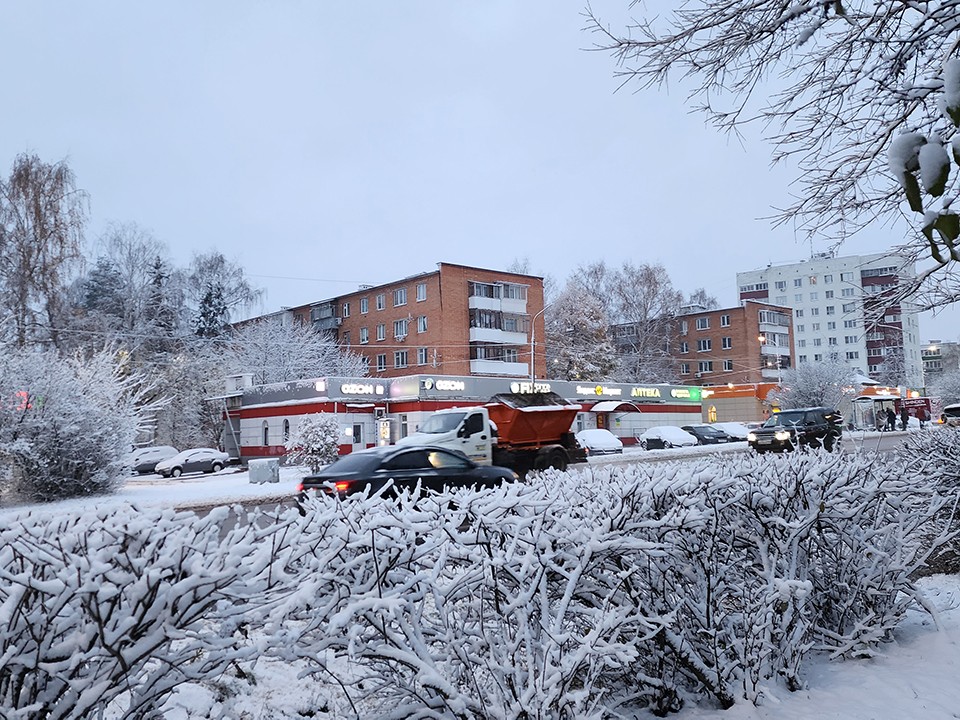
column 938, row 358
column 746, row 344
column 456, row 320
column 840, row 310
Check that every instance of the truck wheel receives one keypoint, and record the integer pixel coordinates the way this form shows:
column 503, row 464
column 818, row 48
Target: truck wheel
column 558, row 460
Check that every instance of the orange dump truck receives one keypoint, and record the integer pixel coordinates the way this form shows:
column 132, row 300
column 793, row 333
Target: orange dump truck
column 521, row 431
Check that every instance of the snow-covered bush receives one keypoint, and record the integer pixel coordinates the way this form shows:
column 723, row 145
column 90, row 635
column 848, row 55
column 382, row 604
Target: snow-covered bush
column 315, row 441
column 113, row 610
column 66, row 423
column 661, row 581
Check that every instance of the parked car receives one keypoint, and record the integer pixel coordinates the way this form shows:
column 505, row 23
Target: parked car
column 143, row 460
column 951, row 415
column 208, row 460
column 599, row 442
column 707, row 434
column 734, row 430
column 805, row 427
column 665, row 436
column 433, row 467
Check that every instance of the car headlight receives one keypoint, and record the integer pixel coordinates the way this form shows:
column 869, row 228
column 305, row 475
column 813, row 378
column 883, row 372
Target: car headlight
column 751, row 437
column 782, row 435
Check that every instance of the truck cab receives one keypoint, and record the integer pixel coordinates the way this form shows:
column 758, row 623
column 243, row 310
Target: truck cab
column 467, row 430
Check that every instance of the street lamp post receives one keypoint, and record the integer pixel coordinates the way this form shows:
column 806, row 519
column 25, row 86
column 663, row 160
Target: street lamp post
column 533, row 333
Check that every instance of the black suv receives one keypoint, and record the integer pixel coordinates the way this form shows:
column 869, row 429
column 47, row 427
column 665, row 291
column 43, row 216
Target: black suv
column 811, row 427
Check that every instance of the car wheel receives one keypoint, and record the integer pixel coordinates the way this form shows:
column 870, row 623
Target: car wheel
column 176, row 472
column 667, row 444
column 643, row 444
column 217, row 467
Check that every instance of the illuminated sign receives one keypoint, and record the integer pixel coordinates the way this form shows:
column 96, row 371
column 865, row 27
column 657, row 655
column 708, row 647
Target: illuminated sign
column 321, row 385
column 645, row 392
column 687, row 393
column 529, row 387
column 599, row 390
column 450, row 385
column 361, row 389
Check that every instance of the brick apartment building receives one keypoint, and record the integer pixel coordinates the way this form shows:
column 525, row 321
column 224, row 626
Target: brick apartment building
column 746, row 344
column 456, row 320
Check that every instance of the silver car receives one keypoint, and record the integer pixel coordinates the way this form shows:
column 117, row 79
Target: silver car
column 208, row 460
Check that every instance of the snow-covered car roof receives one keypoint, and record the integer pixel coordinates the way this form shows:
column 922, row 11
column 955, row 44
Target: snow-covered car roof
column 669, row 432
column 599, row 438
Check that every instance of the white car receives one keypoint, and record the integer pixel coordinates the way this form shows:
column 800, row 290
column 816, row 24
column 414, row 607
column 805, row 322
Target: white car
column 599, row 442
column 736, row 430
column 665, row 436
column 208, row 460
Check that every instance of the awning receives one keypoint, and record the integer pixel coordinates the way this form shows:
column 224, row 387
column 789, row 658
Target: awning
column 614, row 406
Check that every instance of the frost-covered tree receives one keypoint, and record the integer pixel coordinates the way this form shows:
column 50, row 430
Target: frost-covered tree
column 315, row 441
column 862, row 97
column 947, row 387
column 67, row 422
column 825, row 383
column 212, row 315
column 42, row 218
column 701, row 298
column 217, row 287
column 275, row 352
column 578, row 344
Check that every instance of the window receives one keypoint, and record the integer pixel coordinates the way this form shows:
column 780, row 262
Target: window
column 849, row 307
column 704, row 345
column 381, row 301
column 874, row 352
column 798, row 282
column 831, row 341
column 817, row 342
column 781, row 300
column 399, row 297
column 818, row 357
column 780, row 284
column 848, row 292
column 346, row 338
column 830, row 309
column 364, row 306
column 851, row 323
column 703, row 323
column 381, row 332
column 381, row 363
column 798, row 297
column 705, row 366
column 346, row 309
column 831, row 325
column 814, row 296
column 802, row 358
column 853, row 355
column 815, row 327
column 286, row 430
column 846, row 277
column 813, row 279
column 684, row 368
column 265, row 434
column 364, row 336
column 850, row 339
column 400, row 329
column 400, row 359
column 724, row 321
column 814, row 311
column 828, row 279
column 513, row 291
column 422, row 356
column 753, row 288
column 684, row 347
column 728, row 365
column 422, row 324
column 683, row 327
column 801, row 343
column 421, row 292
column 801, row 328
column 799, row 313
column 828, row 294
column 726, row 343
column 510, row 355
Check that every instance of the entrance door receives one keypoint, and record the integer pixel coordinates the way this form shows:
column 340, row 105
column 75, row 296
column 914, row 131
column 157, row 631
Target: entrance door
column 359, row 442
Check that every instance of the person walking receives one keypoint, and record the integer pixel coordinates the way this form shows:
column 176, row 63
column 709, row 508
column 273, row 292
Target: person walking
column 904, row 417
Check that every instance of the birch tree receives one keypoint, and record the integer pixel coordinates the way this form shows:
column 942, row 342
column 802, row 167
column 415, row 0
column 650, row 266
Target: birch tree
column 862, row 97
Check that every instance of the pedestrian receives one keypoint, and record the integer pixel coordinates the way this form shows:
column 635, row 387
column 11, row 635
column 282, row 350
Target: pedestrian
column 924, row 416
column 891, row 419
column 904, row 417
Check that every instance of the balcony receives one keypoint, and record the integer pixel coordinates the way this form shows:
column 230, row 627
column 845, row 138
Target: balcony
column 497, row 367
column 494, row 335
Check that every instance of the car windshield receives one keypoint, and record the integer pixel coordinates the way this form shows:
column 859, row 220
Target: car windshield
column 441, row 422
column 785, row 419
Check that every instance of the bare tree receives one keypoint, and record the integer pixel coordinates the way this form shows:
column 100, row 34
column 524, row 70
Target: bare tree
column 42, row 217
column 865, row 96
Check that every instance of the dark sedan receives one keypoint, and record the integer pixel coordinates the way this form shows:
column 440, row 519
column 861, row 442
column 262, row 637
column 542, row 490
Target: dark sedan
column 707, row 434
column 433, row 467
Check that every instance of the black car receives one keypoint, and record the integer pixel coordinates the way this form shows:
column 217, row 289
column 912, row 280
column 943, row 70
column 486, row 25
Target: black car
column 433, row 467
column 806, row 427
column 707, row 434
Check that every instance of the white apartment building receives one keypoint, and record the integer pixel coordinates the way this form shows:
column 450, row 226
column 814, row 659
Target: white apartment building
column 828, row 296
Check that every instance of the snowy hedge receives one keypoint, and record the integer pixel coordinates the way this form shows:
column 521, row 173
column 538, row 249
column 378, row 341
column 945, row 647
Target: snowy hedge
column 65, row 423
column 315, row 441
column 584, row 594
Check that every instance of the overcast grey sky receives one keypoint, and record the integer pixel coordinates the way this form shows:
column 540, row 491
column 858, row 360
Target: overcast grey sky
column 326, row 145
